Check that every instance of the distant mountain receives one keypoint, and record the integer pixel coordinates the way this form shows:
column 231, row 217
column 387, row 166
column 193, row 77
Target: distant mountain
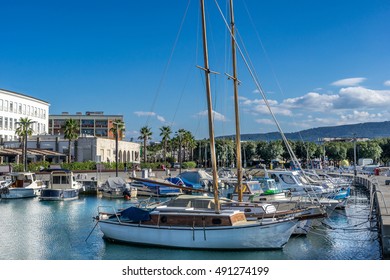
column 369, row 130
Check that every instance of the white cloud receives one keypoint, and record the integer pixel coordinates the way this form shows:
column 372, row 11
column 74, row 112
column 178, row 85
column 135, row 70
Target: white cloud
column 387, row 83
column 311, row 101
column 258, row 106
column 161, row 118
column 360, row 97
column 348, row 82
column 217, row 116
column 144, row 114
column 150, row 114
column 265, row 121
column 360, row 116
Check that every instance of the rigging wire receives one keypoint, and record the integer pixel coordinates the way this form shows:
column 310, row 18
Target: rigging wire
column 168, row 62
column 272, row 70
column 261, row 91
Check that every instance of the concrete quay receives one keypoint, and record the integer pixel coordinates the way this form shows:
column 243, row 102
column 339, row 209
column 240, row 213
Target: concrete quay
column 379, row 187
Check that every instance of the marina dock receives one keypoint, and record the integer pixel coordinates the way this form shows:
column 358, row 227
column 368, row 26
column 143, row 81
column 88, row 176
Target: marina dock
column 379, row 187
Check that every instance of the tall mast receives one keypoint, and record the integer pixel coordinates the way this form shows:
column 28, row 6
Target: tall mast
column 210, row 110
column 236, row 110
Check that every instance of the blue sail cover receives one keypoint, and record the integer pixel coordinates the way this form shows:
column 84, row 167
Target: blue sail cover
column 135, row 214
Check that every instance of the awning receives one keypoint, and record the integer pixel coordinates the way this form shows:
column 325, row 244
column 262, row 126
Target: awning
column 33, row 152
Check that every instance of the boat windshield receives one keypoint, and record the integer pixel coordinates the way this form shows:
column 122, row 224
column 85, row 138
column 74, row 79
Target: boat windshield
column 255, row 186
column 271, row 185
column 303, row 180
column 288, row 179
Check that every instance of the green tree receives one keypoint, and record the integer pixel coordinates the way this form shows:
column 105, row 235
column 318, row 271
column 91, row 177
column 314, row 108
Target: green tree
column 262, row 151
column 369, row 149
column 165, row 133
column 71, row 129
column 336, row 151
column 24, row 130
column 248, row 152
column 120, row 126
column 385, row 146
column 145, row 135
column 180, row 136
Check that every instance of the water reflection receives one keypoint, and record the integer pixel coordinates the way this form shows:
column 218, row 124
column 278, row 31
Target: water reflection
column 44, row 230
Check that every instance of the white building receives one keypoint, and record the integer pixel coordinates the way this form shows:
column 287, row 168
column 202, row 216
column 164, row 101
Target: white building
column 14, row 106
column 87, row 148
column 103, row 150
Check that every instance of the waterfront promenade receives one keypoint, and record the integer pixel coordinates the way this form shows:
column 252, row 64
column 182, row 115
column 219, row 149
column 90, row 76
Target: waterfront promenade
column 379, row 186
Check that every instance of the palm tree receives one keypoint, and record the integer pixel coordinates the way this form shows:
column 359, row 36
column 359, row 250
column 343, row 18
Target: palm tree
column 71, row 130
column 165, row 133
column 118, row 128
column 24, row 130
column 188, row 142
column 146, row 134
column 180, row 134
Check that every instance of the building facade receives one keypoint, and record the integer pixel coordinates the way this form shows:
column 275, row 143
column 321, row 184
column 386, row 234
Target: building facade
column 103, row 150
column 90, row 124
column 14, row 106
column 88, row 148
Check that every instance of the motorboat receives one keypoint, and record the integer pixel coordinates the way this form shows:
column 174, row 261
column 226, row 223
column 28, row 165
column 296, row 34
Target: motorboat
column 21, row 185
column 155, row 187
column 62, row 186
column 117, row 187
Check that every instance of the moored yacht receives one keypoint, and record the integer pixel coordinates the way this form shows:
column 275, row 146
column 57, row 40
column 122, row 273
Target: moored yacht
column 21, row 185
column 62, row 186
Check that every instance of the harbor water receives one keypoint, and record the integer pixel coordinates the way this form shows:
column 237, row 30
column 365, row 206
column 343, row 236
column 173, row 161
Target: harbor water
column 47, row 230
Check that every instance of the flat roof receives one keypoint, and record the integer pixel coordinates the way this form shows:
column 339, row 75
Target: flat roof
column 24, row 95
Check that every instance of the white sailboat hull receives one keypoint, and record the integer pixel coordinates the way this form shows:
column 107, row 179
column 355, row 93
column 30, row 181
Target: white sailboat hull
column 254, row 236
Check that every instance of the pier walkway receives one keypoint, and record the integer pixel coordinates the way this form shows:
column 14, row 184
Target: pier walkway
column 379, row 186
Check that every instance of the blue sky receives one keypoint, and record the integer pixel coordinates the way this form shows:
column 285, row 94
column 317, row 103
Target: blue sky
column 320, row 63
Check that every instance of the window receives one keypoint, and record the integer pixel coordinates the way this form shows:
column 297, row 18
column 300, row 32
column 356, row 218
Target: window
column 11, row 122
column 287, row 179
column 11, row 106
column 6, row 105
column 1, row 122
column 87, row 123
column 20, row 108
column 1, row 104
column 24, row 109
column 5, row 123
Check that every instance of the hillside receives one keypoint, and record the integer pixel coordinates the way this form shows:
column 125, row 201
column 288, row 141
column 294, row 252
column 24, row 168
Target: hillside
column 362, row 130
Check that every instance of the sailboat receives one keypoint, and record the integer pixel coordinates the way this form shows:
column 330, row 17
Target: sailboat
column 197, row 228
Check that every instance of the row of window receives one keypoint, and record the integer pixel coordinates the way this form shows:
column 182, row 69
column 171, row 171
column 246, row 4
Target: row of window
column 11, row 124
column 8, row 137
column 58, row 123
column 23, row 109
